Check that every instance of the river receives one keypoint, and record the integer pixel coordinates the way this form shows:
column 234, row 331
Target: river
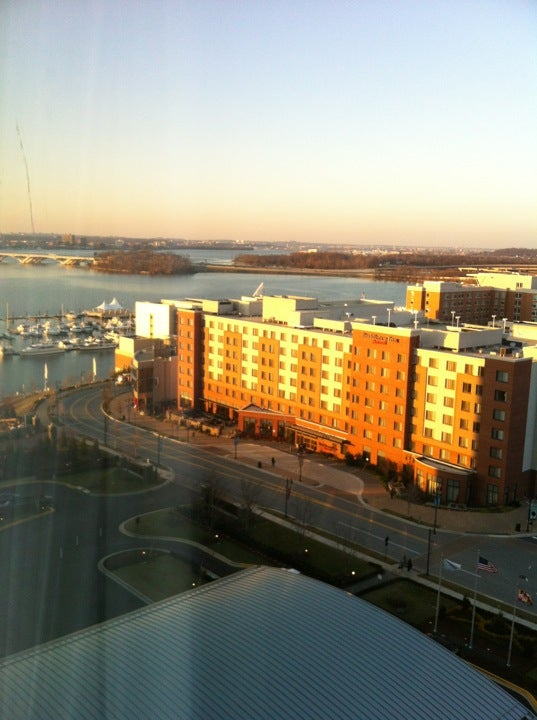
column 28, row 290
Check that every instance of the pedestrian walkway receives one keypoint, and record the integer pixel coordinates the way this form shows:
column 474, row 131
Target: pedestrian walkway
column 331, row 475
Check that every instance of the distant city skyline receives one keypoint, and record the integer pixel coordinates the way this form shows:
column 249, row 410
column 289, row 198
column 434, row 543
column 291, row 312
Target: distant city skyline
column 404, row 123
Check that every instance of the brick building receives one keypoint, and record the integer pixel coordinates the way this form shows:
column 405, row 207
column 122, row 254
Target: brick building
column 452, row 407
column 490, row 298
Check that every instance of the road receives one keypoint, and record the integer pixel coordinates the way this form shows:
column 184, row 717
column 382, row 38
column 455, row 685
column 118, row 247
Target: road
column 514, row 556
column 49, row 570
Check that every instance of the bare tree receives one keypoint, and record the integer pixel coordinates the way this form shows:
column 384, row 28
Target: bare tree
column 250, row 492
column 211, row 493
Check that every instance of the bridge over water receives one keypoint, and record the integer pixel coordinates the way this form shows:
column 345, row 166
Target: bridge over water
column 26, row 258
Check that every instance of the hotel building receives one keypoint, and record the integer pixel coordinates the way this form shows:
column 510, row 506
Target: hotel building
column 450, row 407
column 491, row 298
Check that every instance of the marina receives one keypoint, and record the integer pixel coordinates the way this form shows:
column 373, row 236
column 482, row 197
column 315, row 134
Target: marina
column 35, row 295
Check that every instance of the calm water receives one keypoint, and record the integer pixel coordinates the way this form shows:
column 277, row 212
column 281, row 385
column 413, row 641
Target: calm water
column 30, row 290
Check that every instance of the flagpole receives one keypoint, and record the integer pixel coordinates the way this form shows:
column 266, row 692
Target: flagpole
column 512, row 629
column 476, row 575
column 438, row 595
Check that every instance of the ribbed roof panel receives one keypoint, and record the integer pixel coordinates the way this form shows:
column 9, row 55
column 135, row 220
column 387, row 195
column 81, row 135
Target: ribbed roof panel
column 264, row 643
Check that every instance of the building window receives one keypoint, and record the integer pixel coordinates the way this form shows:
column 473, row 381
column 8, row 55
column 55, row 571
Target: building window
column 500, row 395
column 496, row 452
column 497, row 434
column 467, row 387
column 492, row 494
column 452, row 490
column 502, row 376
column 498, row 414
column 494, row 471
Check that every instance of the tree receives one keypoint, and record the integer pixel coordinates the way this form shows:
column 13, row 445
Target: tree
column 250, row 492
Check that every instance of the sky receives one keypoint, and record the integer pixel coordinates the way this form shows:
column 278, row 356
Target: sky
column 399, row 122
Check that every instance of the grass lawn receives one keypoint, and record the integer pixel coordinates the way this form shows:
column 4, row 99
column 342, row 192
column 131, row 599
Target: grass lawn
column 160, row 577
column 271, row 539
column 172, row 523
column 409, row 601
column 416, row 605
column 112, row 480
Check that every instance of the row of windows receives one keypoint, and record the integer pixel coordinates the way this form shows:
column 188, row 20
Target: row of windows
column 451, row 366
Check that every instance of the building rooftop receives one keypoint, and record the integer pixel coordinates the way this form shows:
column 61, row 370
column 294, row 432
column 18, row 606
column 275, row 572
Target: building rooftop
column 264, row 643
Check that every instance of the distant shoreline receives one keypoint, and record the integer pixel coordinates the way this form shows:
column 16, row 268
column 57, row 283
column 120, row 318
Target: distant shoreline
column 401, row 275
column 412, row 275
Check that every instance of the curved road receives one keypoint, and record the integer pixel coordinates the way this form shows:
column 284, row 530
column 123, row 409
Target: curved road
column 49, row 577
column 514, row 556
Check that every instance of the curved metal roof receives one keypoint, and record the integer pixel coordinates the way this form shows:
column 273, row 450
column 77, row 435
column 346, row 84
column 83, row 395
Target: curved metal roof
column 264, row 643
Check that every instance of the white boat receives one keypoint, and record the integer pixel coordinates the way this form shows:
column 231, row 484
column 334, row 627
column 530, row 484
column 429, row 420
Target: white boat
column 44, row 348
column 96, row 344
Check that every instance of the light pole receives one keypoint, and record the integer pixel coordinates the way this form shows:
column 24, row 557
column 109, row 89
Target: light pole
column 452, row 318
column 429, row 532
column 523, row 597
column 300, row 458
column 288, row 485
column 236, row 443
column 437, row 499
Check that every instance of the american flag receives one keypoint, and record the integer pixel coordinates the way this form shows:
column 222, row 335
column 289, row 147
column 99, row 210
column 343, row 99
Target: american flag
column 486, row 565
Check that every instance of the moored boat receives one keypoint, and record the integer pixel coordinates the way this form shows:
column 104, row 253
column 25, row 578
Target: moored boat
column 44, row 348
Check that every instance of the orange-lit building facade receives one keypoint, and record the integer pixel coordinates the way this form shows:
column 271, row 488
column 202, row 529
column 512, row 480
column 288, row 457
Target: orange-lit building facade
column 453, row 409
column 505, row 297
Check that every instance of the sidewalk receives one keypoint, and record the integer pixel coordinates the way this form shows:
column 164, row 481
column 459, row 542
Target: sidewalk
column 331, row 475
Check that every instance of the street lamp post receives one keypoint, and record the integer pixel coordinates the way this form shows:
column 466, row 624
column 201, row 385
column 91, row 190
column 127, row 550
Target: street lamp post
column 429, row 533
column 236, row 443
column 437, row 499
column 288, row 485
column 300, row 458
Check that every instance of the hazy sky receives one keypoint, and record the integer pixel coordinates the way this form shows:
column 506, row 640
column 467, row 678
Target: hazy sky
column 389, row 121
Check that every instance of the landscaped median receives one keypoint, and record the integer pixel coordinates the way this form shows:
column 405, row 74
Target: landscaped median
column 266, row 538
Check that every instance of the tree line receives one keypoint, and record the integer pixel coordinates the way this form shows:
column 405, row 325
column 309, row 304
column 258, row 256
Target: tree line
column 333, row 260
column 142, row 262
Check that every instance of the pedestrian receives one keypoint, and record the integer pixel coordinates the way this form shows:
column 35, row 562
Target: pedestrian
column 409, row 565
column 273, row 461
